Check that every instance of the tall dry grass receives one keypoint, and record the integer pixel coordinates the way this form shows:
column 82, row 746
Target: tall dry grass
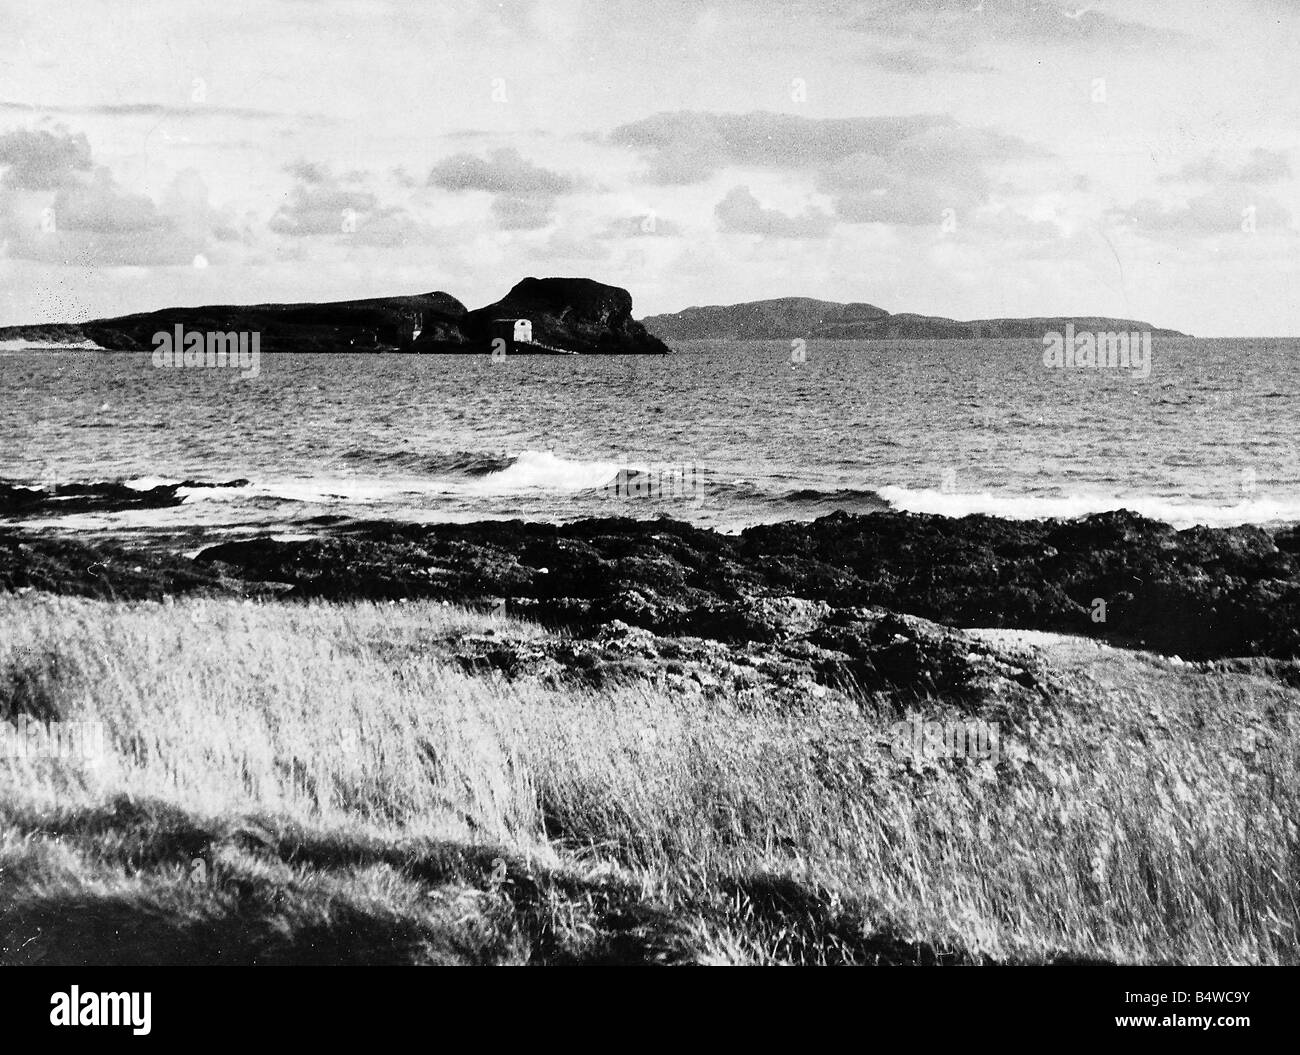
column 330, row 764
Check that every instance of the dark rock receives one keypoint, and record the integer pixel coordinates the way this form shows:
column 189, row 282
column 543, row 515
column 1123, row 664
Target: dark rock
column 67, row 566
column 65, row 499
column 241, row 482
column 899, row 662
column 1201, row 593
column 374, row 325
column 570, row 314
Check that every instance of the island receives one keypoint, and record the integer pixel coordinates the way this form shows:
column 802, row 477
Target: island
column 824, row 320
column 539, row 316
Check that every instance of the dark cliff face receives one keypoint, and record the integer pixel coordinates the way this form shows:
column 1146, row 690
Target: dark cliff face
column 340, row 326
column 571, row 314
column 790, row 317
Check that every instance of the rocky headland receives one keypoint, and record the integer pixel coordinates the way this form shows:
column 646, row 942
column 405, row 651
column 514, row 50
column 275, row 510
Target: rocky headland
column 575, row 315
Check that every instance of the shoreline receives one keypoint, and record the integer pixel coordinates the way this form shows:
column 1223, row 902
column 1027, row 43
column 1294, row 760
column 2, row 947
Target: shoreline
column 1199, row 593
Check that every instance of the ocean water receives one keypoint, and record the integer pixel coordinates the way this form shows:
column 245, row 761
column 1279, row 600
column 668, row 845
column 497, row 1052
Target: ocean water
column 721, row 434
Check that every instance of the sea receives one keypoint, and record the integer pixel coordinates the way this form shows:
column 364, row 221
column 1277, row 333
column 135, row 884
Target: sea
column 721, row 434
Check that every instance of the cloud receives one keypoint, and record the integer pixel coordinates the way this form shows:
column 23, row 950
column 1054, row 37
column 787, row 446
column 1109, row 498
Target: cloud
column 514, row 213
column 146, row 110
column 319, row 206
column 502, row 172
column 1007, row 226
column 1263, row 166
column 904, row 170
column 922, row 177
column 100, row 206
column 915, row 61
column 956, row 144
column 43, row 160
column 960, row 22
column 1225, row 210
column 741, row 212
column 307, row 171
column 316, row 210
column 58, row 207
column 563, row 245
column 689, row 146
column 648, row 224
column 524, row 193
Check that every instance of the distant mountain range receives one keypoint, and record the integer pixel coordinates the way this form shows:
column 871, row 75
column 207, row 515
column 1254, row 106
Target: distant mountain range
column 791, row 317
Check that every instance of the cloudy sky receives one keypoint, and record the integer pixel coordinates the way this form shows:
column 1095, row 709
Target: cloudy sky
column 1011, row 157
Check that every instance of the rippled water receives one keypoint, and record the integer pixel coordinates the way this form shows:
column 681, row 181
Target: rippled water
column 723, row 433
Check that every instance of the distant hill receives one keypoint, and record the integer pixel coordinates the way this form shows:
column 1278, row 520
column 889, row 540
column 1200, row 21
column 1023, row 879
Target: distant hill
column 790, row 317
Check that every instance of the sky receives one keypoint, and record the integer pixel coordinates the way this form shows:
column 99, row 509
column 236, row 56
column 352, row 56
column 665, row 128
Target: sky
column 1131, row 158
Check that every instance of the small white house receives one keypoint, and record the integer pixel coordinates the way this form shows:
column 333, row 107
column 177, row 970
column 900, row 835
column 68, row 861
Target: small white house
column 523, row 330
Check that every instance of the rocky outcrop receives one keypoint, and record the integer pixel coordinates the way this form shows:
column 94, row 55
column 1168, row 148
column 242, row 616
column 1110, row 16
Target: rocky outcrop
column 568, row 314
column 794, row 317
column 375, row 325
column 1201, row 593
column 836, row 660
column 384, row 323
column 105, row 570
column 63, row 499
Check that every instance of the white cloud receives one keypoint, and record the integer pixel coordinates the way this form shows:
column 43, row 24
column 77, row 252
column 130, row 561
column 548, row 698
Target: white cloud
column 741, row 212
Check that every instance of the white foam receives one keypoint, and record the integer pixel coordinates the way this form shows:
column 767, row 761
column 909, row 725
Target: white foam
column 318, row 491
column 1263, row 510
column 544, row 471
column 20, row 344
column 148, row 483
column 531, row 471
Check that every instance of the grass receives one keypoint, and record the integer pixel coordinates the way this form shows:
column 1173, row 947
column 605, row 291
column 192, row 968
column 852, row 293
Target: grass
column 287, row 783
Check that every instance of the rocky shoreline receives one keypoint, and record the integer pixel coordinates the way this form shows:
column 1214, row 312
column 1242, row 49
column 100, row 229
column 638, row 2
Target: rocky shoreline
column 851, row 605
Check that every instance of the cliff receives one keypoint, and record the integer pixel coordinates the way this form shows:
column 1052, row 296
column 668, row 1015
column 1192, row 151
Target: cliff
column 568, row 314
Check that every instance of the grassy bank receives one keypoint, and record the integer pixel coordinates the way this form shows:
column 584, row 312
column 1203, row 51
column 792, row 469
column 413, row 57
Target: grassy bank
column 315, row 783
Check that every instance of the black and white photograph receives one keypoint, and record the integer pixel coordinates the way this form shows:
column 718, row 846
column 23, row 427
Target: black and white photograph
column 650, row 482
